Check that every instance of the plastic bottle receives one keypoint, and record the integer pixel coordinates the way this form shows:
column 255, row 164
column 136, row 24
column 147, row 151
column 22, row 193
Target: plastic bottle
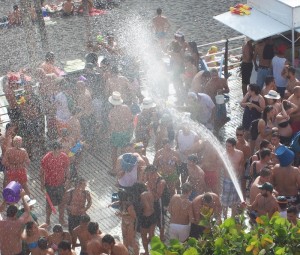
column 75, row 149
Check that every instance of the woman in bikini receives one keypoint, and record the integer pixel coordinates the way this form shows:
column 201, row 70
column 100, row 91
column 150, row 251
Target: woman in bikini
column 31, row 235
column 283, row 121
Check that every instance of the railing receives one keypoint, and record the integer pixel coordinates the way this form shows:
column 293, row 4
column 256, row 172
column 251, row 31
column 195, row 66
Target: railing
column 230, row 50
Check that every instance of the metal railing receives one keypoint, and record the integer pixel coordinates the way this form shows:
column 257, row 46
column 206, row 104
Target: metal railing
column 229, row 50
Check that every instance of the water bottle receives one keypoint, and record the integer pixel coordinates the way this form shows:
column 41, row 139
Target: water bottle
column 44, row 12
column 75, row 149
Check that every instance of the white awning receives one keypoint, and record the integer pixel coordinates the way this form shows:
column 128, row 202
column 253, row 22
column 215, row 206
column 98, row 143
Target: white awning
column 255, row 26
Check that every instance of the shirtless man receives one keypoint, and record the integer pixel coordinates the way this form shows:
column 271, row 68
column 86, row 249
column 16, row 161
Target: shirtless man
column 264, row 67
column 211, row 165
column 121, row 125
column 290, row 73
column 206, row 204
column 10, row 242
column 113, row 247
column 77, row 200
column 147, row 220
column 199, row 81
column 286, row 180
column 181, row 214
column 265, row 176
column 215, row 85
column 43, row 247
column 247, row 65
column 117, row 82
column 94, row 245
column 196, row 177
column 160, row 25
column 16, row 160
column 156, row 184
column 81, row 232
column 230, row 197
column 166, row 161
column 242, row 145
column 295, row 116
column 85, row 116
column 265, row 203
column 48, row 66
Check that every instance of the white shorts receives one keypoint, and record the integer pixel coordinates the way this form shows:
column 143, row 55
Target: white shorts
column 180, row 232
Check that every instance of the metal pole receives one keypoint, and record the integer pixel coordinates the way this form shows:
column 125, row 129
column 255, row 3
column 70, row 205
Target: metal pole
column 87, row 23
column 226, row 60
column 293, row 39
column 41, row 24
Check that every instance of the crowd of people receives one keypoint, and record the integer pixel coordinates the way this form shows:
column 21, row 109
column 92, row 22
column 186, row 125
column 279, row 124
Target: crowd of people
column 59, row 120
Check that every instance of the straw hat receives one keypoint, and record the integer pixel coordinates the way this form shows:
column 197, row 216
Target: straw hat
column 272, row 94
column 115, row 98
column 148, row 103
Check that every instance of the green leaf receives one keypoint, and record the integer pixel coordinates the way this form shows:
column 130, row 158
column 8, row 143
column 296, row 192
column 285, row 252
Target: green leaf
column 219, row 242
column 155, row 253
column 280, row 251
column 262, row 252
column 156, row 244
column 174, row 242
column 191, row 251
column 229, row 223
column 192, row 241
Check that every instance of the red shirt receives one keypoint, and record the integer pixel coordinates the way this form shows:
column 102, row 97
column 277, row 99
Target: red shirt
column 55, row 168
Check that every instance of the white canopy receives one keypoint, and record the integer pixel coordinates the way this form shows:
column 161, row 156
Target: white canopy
column 255, row 26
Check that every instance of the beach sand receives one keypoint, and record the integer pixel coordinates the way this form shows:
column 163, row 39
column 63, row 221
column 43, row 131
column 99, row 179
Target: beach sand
column 67, row 37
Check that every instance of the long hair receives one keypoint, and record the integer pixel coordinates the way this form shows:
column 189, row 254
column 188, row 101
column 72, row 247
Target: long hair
column 268, row 109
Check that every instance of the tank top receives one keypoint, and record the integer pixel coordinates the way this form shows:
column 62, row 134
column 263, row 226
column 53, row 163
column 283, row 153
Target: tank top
column 185, row 142
column 129, row 178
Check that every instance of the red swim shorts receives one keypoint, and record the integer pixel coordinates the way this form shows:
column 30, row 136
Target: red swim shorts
column 17, row 175
column 211, row 178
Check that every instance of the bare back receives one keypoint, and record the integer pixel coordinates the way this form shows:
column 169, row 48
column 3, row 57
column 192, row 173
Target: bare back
column 160, row 24
column 15, row 158
column 180, row 210
column 147, row 200
column 120, row 118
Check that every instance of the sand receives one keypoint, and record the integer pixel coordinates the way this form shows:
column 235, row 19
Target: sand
column 67, row 37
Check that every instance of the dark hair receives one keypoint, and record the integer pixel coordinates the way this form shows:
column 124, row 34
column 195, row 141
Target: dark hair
column 159, row 11
column 276, row 134
column 11, row 211
column 255, row 88
column 232, row 141
column 194, row 158
column 108, row 239
column 264, row 144
column 269, row 79
column 93, row 228
column 286, row 105
column 91, row 58
column 57, row 228
column 85, row 218
column 265, row 172
column 15, row 7
column 42, row 243
column 64, row 245
column 240, row 128
column 267, row 110
column 79, row 181
column 264, row 153
column 165, row 141
column 292, row 209
column 56, row 145
column 207, row 198
column 29, row 225
column 194, row 48
column 292, row 70
column 123, row 195
column 49, row 56
column 150, row 169
column 186, row 188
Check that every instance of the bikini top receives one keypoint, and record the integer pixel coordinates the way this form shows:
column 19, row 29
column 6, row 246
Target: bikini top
column 32, row 245
column 284, row 124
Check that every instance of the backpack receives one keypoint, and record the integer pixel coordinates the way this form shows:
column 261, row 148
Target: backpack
column 254, row 129
column 166, row 195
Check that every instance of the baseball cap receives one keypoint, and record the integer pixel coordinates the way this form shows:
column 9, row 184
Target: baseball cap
column 266, row 186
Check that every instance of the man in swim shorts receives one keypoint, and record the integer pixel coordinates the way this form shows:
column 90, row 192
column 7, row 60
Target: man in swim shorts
column 160, row 25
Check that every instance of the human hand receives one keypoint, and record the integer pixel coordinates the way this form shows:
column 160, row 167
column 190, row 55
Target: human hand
column 244, row 205
column 22, row 193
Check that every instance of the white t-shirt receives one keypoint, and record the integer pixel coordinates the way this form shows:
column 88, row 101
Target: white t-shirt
column 206, row 106
column 278, row 65
column 185, row 142
column 62, row 109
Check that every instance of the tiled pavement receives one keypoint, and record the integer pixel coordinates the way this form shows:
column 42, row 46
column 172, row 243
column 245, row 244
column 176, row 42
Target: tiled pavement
column 94, row 168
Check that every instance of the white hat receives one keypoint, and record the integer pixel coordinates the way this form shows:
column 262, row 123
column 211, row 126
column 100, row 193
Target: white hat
column 29, row 201
column 272, row 94
column 115, row 98
column 148, row 103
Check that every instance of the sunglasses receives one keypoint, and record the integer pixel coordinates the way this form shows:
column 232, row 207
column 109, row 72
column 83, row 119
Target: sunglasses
column 239, row 134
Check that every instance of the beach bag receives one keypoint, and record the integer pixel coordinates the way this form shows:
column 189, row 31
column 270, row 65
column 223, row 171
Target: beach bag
column 254, row 129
